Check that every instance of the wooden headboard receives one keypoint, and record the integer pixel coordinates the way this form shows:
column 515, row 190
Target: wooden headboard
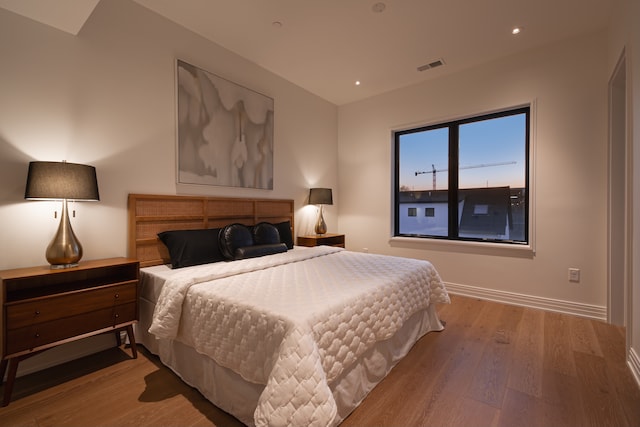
column 152, row 214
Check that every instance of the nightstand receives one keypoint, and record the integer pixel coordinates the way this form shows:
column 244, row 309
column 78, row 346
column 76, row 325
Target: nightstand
column 327, row 239
column 43, row 308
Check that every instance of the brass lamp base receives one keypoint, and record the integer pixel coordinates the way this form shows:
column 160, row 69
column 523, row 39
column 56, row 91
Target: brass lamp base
column 321, row 226
column 65, row 250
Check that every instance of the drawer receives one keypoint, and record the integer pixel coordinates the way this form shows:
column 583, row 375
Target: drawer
column 46, row 309
column 37, row 335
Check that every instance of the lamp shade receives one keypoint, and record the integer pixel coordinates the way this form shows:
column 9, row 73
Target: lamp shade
column 320, row 196
column 61, row 180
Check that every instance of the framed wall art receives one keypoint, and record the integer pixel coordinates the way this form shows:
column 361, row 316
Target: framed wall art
column 225, row 131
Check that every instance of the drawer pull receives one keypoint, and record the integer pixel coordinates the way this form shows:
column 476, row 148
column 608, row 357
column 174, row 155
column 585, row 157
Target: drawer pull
column 117, row 315
column 37, row 313
column 117, row 296
column 37, row 335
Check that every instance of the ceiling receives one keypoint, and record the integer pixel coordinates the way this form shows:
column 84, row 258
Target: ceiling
column 326, row 46
column 65, row 15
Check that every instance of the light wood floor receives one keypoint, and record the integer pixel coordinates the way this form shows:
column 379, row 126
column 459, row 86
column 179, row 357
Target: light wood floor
column 493, row 365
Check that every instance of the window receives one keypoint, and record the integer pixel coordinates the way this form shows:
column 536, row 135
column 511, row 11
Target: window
column 471, row 177
column 412, row 212
column 481, row 210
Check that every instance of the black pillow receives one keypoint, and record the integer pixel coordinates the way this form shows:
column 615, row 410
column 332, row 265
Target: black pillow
column 265, row 233
column 192, row 247
column 284, row 228
column 259, row 250
column 232, row 237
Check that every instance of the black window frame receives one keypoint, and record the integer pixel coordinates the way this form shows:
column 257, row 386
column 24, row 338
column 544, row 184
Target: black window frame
column 453, row 184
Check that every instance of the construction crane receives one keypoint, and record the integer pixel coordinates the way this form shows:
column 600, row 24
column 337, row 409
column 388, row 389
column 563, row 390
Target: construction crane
column 433, row 170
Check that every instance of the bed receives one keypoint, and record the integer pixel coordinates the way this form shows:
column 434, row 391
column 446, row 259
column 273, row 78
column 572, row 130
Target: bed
column 274, row 334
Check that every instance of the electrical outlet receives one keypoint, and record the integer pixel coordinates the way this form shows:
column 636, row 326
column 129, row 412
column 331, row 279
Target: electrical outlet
column 574, row 275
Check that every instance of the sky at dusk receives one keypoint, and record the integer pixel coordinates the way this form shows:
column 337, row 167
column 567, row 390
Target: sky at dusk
column 492, row 154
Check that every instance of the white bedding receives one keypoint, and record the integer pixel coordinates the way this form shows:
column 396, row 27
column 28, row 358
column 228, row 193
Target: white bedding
column 294, row 322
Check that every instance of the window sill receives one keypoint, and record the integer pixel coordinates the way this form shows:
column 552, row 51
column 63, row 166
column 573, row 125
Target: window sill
column 458, row 246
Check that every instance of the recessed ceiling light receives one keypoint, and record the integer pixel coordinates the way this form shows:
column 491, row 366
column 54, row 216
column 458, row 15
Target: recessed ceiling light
column 276, row 24
column 378, row 7
column 516, row 30
column 357, row 82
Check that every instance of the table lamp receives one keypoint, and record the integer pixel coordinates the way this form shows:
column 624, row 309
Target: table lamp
column 62, row 181
column 320, row 196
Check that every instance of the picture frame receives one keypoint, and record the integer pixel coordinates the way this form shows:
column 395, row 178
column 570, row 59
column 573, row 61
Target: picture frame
column 224, row 131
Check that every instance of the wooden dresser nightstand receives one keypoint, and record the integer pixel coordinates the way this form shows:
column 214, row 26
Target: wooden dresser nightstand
column 327, row 239
column 43, row 308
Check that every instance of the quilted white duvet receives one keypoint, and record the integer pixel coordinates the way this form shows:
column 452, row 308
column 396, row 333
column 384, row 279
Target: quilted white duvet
column 294, row 321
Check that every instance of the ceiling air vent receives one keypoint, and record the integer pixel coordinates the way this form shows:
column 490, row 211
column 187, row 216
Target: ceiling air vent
column 433, row 64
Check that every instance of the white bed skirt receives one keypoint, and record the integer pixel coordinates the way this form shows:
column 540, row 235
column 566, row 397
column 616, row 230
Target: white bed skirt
column 231, row 393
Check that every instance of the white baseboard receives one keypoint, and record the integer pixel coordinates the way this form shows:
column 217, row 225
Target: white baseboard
column 634, row 364
column 567, row 307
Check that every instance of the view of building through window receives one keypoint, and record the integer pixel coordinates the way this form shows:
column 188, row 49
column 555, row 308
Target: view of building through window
column 464, row 179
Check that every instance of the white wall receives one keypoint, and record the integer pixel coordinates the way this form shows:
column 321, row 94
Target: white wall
column 106, row 97
column 625, row 36
column 633, row 17
column 568, row 82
